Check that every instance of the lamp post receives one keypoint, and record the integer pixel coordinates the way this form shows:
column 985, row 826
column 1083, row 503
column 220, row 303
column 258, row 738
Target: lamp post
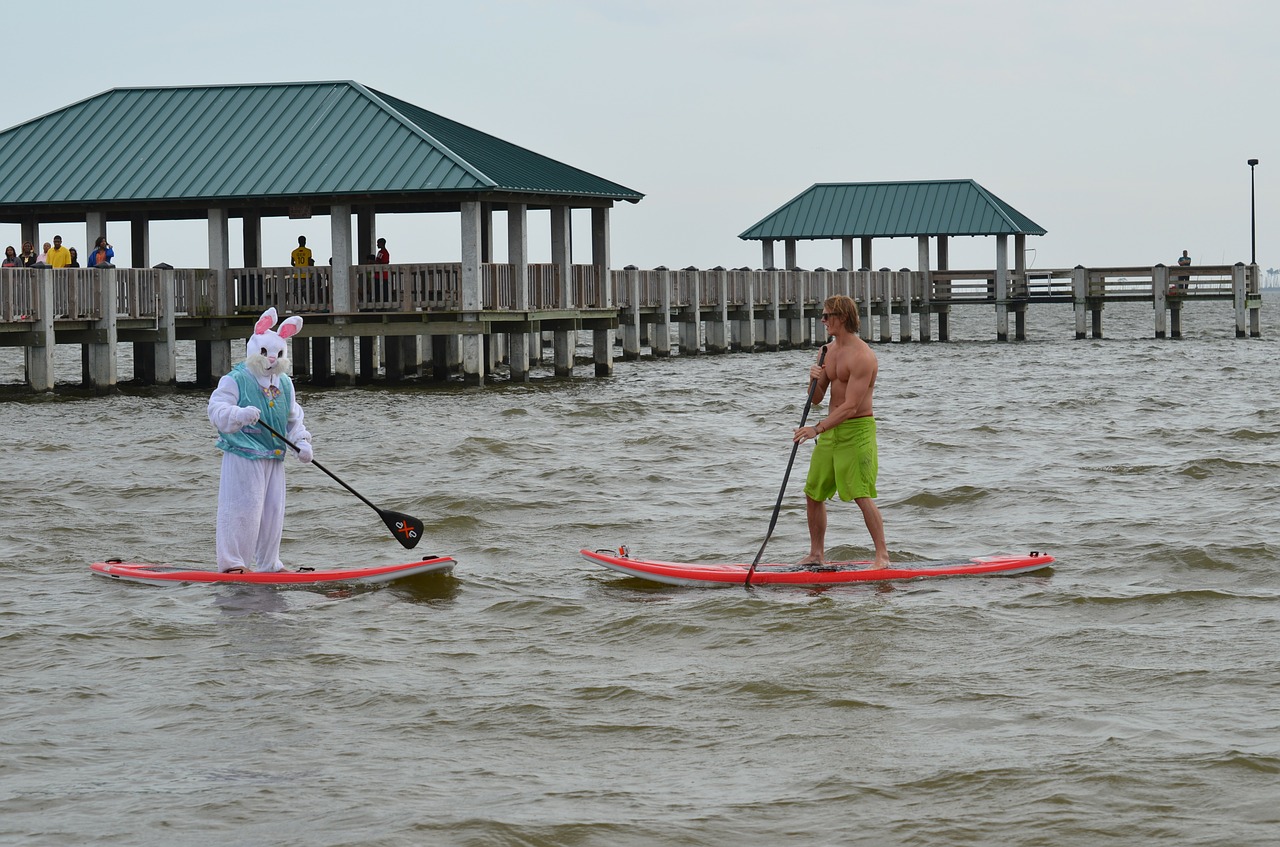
column 1253, row 218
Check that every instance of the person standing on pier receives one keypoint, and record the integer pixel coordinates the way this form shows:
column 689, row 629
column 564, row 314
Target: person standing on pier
column 58, row 256
column 844, row 458
column 301, row 256
column 102, row 253
column 1184, row 261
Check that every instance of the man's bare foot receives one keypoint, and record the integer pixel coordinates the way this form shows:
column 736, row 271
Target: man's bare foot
column 812, row 560
column 882, row 563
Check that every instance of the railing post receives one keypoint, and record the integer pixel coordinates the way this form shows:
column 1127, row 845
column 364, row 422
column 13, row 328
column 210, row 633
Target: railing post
column 1160, row 298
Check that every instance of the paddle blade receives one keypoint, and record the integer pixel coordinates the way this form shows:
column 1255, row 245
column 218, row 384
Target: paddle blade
column 406, row 528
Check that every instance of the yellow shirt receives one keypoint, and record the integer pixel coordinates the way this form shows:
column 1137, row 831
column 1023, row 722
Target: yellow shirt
column 58, row 257
column 301, row 257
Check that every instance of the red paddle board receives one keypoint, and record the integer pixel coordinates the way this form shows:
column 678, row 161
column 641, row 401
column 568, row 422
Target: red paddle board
column 169, row 574
column 835, row 573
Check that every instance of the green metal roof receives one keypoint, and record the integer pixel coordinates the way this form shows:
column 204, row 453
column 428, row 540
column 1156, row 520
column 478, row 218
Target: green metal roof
column 203, row 144
column 891, row 209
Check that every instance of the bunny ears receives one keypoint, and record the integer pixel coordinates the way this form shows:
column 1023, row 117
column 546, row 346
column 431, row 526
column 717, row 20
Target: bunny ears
column 268, row 320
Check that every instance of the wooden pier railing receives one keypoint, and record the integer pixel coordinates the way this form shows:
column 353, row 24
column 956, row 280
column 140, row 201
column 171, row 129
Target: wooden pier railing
column 729, row 308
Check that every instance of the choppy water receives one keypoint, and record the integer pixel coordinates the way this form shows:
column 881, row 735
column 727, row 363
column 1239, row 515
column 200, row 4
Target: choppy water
column 1129, row 696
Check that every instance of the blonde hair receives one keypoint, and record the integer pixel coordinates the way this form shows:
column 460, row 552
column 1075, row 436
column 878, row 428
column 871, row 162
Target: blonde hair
column 844, row 309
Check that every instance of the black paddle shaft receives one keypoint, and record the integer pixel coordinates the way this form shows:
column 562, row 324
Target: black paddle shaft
column 406, row 528
column 795, row 445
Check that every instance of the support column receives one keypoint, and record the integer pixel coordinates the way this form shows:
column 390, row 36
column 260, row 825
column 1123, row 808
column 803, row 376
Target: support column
column 1159, row 297
column 942, row 289
column 789, row 246
column 846, row 254
column 766, row 254
column 564, row 341
column 718, row 322
column 773, row 317
column 251, row 226
column 95, row 224
column 886, row 305
column 903, row 287
column 602, row 339
column 252, row 287
column 30, row 231
column 218, row 357
column 1254, row 302
column 144, row 352
column 101, row 354
column 661, row 332
column 747, row 337
column 1079, row 297
column 39, row 355
column 366, row 243
column 631, row 327
column 866, row 307
column 345, row 364
column 165, row 351
column 471, row 347
column 1002, row 288
column 1019, row 287
column 866, row 254
column 518, row 258
column 1239, row 298
column 797, row 333
column 691, row 314
column 926, row 288
column 139, row 241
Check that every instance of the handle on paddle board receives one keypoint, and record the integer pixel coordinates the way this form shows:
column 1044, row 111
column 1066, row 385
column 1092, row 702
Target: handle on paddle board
column 406, row 528
column 795, row 445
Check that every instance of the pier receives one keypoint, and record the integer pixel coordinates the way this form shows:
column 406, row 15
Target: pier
column 409, row 320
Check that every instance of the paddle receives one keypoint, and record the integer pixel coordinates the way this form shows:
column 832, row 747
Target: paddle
column 406, row 528
column 795, row 445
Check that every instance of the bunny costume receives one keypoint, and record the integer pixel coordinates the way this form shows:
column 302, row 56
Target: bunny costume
column 251, row 493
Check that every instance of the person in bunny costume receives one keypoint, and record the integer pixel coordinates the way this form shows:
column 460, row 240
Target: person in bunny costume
column 251, row 492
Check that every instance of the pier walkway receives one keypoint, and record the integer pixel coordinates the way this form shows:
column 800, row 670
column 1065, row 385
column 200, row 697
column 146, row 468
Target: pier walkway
column 407, row 315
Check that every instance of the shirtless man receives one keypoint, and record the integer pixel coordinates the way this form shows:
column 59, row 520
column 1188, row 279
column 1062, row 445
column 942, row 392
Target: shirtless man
column 844, row 459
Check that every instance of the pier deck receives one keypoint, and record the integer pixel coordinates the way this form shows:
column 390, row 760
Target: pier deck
column 398, row 310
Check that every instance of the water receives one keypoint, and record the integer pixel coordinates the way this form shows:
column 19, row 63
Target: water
column 1128, row 696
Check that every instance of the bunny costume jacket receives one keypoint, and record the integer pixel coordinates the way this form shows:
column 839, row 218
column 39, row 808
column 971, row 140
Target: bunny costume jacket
column 251, row 494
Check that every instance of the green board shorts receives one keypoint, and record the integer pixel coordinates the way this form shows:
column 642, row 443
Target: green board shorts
column 844, row 460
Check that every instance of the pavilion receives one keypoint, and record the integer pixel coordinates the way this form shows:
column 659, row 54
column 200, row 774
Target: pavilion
column 298, row 149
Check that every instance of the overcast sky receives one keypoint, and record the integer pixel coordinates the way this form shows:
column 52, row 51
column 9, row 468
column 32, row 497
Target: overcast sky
column 1121, row 127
